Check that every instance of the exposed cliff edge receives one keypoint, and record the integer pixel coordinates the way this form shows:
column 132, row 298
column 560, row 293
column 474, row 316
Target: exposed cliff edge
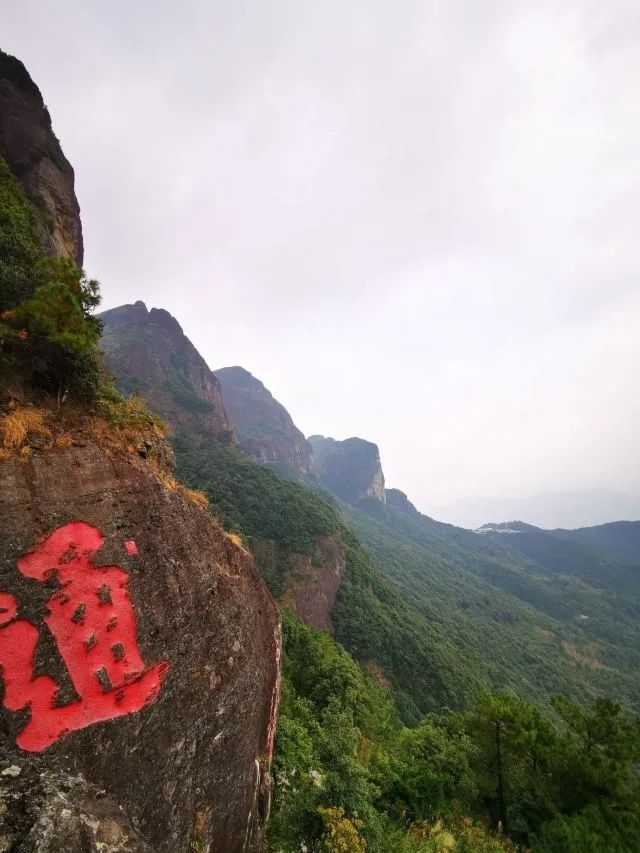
column 139, row 645
column 182, row 743
column 399, row 500
column 33, row 153
column 148, row 352
column 350, row 469
column 265, row 428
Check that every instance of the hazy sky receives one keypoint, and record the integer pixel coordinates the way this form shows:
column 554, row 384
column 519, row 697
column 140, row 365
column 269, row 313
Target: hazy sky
column 416, row 221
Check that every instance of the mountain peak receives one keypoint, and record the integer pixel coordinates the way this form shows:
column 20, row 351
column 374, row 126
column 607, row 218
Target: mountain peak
column 33, row 154
column 351, row 468
column 148, row 352
column 265, row 429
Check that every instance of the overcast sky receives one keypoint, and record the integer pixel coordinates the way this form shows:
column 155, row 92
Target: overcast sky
column 416, row 221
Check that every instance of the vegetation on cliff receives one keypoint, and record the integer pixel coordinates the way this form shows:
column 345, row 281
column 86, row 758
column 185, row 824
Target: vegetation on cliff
column 358, row 766
column 566, row 781
column 48, row 332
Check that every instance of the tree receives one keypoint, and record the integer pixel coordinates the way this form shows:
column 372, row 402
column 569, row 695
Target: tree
column 516, row 744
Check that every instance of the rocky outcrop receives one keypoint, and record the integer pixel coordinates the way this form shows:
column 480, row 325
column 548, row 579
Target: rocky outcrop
column 148, row 352
column 139, row 653
column 29, row 146
column 397, row 499
column 350, row 469
column 312, row 584
column 44, row 811
column 265, row 429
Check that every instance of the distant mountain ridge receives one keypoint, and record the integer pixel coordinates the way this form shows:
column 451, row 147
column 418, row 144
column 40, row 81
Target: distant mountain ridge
column 264, row 427
column 350, row 469
column 149, row 353
column 566, row 509
column 441, row 611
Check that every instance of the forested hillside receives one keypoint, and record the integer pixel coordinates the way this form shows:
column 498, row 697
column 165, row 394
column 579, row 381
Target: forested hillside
column 522, row 623
column 404, row 725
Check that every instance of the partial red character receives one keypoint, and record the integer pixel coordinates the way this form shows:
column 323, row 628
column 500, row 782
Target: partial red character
column 92, row 620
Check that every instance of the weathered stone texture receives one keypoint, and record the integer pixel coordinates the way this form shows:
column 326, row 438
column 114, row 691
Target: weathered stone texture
column 33, row 153
column 192, row 766
column 265, row 428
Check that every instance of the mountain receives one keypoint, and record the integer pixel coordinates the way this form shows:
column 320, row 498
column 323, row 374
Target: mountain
column 311, row 562
column 567, row 509
column 149, row 354
column 350, row 469
column 145, row 667
column 606, row 556
column 566, row 604
column 438, row 607
column 139, row 646
column 264, row 428
column 31, row 150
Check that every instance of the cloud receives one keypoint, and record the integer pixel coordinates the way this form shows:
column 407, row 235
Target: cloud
column 415, row 222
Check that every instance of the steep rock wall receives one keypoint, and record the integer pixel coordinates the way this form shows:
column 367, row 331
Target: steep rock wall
column 33, row 153
column 350, row 469
column 186, row 749
column 148, row 352
column 265, row 428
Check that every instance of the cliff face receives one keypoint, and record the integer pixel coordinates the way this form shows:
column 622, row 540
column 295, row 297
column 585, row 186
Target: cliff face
column 311, row 583
column 148, row 352
column 398, row 500
column 265, row 429
column 350, row 469
column 139, row 651
column 34, row 155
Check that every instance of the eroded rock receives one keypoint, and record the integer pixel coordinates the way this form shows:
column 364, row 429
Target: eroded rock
column 191, row 765
column 33, row 153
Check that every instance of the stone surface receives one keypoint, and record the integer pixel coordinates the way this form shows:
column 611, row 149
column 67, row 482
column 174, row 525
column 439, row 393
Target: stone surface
column 148, row 352
column 350, row 469
column 398, row 500
column 45, row 811
column 34, row 155
column 264, row 427
column 311, row 583
column 192, row 766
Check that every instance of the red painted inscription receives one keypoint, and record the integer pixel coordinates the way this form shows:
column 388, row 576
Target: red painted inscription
column 92, row 620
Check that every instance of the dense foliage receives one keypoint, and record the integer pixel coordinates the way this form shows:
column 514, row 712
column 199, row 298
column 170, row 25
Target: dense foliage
column 370, row 618
column 48, row 333
column 496, row 773
column 562, row 782
column 519, row 623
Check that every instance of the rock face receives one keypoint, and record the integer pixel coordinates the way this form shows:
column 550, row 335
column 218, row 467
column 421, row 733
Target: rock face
column 350, row 469
column 60, row 812
column 34, row 155
column 146, row 634
column 265, row 429
column 310, row 583
column 148, row 352
column 398, row 500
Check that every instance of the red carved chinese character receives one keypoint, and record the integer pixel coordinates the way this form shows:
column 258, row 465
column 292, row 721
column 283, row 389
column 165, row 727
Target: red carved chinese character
column 92, row 620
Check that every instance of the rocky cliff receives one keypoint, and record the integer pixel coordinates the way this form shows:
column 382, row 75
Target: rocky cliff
column 264, row 427
column 149, row 353
column 139, row 651
column 350, row 469
column 34, row 155
column 399, row 500
column 139, row 645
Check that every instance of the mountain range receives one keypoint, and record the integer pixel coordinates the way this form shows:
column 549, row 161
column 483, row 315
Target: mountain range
column 569, row 509
column 219, row 634
column 437, row 611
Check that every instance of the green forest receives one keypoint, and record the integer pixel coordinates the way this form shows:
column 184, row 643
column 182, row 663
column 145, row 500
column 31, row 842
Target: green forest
column 478, row 743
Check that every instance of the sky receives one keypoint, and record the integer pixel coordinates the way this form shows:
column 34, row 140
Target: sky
column 416, row 221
